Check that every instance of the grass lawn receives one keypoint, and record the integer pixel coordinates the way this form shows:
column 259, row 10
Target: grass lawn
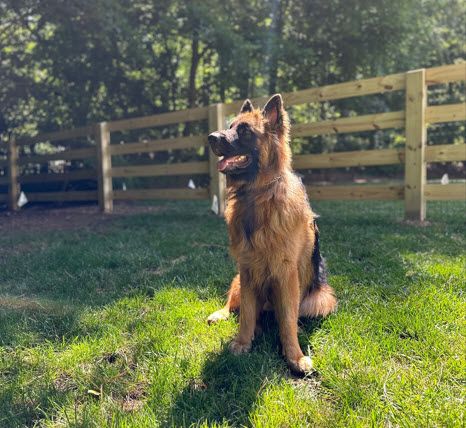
column 104, row 325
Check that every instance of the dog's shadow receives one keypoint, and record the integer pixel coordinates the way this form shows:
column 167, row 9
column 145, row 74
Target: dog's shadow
column 229, row 386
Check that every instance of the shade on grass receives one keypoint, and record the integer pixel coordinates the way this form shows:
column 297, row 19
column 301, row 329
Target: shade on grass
column 106, row 327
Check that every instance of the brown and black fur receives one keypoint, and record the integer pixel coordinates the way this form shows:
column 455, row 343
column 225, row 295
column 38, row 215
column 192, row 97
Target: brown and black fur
column 272, row 229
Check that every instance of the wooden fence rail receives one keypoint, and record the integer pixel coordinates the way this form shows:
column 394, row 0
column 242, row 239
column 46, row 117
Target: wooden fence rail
column 414, row 119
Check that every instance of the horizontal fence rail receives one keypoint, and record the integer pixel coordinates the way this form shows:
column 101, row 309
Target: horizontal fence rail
column 446, row 192
column 349, row 159
column 144, row 194
column 63, row 196
column 356, row 192
column 151, row 146
column 182, row 168
column 99, row 151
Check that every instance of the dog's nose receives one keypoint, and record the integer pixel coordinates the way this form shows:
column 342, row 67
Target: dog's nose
column 214, row 137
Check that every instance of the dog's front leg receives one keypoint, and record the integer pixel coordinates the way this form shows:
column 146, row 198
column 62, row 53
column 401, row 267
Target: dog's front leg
column 248, row 314
column 286, row 296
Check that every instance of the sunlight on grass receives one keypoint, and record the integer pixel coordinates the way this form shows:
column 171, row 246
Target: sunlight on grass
column 107, row 328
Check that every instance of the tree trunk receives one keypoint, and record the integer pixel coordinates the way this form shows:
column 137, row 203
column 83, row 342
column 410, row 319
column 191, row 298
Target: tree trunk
column 278, row 22
column 192, row 91
column 195, row 58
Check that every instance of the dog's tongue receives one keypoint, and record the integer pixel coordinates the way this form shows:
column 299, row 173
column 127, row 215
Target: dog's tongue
column 222, row 164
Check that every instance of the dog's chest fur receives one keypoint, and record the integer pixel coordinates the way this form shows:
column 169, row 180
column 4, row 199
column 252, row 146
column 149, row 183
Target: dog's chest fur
column 255, row 228
column 243, row 222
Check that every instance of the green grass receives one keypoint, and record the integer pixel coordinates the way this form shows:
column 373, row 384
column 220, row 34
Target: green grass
column 106, row 326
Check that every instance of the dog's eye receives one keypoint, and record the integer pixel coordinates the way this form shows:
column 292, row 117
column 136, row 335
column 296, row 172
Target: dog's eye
column 244, row 132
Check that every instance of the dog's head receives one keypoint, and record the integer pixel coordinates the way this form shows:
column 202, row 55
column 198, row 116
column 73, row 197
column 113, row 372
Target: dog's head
column 256, row 144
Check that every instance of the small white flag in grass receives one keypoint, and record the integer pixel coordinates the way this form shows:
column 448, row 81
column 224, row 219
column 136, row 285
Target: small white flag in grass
column 214, row 207
column 22, row 200
column 191, row 184
column 445, row 179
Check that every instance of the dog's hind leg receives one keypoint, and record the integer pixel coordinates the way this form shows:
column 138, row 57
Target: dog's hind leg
column 232, row 304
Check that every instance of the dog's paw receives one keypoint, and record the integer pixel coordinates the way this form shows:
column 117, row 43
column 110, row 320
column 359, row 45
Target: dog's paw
column 302, row 366
column 218, row 316
column 237, row 347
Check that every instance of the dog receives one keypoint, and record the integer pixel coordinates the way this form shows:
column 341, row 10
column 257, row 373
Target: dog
column 272, row 231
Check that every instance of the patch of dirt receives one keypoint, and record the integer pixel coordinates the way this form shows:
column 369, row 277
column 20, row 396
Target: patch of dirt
column 43, row 218
column 416, row 223
column 32, row 304
column 64, row 383
column 134, row 400
column 163, row 270
column 131, row 405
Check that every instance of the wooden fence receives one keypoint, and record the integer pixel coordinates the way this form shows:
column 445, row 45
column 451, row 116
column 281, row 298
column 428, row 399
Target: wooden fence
column 415, row 155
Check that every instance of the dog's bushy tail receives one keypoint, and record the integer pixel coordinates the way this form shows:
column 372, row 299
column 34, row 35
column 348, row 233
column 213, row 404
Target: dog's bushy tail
column 321, row 299
column 320, row 302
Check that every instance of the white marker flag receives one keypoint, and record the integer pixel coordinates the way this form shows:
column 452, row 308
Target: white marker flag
column 22, row 200
column 214, row 207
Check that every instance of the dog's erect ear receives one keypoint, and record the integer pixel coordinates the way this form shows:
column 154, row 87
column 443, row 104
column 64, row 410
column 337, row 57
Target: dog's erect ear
column 273, row 111
column 246, row 107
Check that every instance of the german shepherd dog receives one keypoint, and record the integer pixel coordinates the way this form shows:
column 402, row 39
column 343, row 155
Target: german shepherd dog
column 272, row 230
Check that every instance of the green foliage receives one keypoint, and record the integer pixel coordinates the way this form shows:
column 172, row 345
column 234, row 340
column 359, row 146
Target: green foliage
column 74, row 62
column 106, row 325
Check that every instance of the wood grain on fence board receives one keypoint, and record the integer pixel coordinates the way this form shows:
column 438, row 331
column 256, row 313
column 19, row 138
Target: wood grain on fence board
column 356, row 88
column 75, row 195
column 416, row 139
column 446, row 74
column 446, row 113
column 349, row 159
column 356, row 192
column 148, row 146
column 13, row 173
column 446, row 153
column 104, row 166
column 182, row 168
column 143, row 194
column 445, row 192
column 370, row 122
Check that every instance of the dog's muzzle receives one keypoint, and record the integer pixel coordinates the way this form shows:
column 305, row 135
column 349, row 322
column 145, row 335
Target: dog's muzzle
column 221, row 143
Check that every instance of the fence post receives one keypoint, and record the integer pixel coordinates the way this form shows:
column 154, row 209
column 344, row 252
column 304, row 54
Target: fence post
column 416, row 136
column 13, row 184
column 217, row 180
column 104, row 166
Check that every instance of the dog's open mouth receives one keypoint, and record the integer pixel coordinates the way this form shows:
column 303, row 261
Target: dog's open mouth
column 233, row 162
